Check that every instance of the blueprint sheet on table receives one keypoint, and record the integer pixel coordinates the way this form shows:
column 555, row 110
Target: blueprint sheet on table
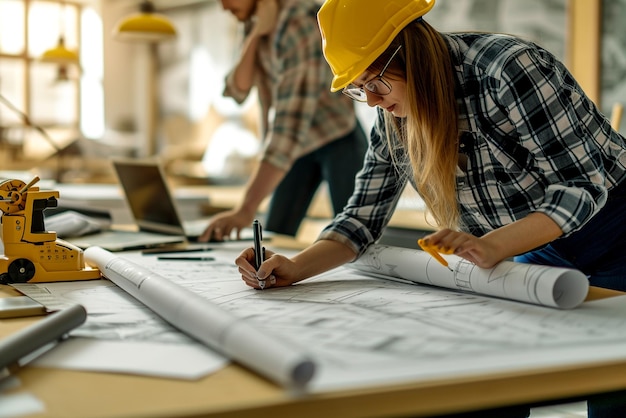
column 365, row 331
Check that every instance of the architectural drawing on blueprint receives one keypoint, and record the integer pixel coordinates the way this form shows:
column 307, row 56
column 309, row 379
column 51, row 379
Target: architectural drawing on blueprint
column 363, row 331
column 113, row 314
column 541, row 285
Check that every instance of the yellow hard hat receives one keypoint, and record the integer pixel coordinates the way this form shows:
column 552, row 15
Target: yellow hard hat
column 356, row 32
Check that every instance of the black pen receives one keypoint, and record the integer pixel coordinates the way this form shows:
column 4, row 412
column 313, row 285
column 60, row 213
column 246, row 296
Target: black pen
column 174, row 250
column 259, row 250
column 187, row 258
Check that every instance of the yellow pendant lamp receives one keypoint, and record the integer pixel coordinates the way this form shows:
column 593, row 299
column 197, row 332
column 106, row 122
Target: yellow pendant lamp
column 145, row 26
column 60, row 54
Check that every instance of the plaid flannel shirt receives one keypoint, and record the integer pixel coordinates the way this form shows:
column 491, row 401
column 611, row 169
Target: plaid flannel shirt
column 299, row 113
column 534, row 143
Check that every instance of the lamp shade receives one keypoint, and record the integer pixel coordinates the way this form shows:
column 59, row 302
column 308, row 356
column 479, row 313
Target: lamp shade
column 60, row 54
column 145, row 26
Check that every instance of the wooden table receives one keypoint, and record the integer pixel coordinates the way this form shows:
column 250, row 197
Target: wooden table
column 238, row 392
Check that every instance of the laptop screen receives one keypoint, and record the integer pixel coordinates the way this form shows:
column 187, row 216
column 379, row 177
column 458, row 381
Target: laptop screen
column 148, row 196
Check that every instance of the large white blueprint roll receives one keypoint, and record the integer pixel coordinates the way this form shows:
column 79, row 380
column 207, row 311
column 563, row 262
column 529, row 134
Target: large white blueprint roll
column 542, row 285
column 205, row 321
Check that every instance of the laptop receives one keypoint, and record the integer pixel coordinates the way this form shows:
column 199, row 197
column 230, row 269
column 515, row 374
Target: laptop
column 152, row 207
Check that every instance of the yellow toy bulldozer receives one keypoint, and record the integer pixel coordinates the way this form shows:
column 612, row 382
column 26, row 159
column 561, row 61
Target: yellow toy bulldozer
column 32, row 254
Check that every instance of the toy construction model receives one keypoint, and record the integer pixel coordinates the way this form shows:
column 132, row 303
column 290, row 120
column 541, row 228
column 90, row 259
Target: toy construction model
column 32, row 254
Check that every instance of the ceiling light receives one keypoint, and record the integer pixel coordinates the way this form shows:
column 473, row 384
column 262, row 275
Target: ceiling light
column 60, row 54
column 146, row 26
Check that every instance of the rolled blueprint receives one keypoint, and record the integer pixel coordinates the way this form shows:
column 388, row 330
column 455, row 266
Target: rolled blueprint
column 541, row 285
column 205, row 321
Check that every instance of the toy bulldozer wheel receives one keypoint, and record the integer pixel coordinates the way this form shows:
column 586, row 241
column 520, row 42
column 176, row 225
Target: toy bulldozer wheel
column 20, row 270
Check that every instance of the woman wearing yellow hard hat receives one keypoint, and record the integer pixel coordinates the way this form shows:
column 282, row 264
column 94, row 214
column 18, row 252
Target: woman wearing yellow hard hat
column 511, row 157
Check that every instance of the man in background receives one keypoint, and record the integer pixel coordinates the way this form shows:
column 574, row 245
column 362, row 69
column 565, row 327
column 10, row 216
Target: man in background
column 310, row 135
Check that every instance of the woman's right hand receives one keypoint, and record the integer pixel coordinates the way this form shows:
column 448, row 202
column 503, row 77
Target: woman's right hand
column 275, row 271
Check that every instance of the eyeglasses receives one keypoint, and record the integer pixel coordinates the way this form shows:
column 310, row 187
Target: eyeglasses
column 376, row 85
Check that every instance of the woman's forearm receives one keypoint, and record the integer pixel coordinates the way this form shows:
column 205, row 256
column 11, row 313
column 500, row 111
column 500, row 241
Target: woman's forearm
column 322, row 256
column 524, row 235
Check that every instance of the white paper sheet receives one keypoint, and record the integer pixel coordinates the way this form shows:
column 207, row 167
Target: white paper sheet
column 363, row 331
column 268, row 354
column 14, row 405
column 541, row 285
column 120, row 335
column 176, row 361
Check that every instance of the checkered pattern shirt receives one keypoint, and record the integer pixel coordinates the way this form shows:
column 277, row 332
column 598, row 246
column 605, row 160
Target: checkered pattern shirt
column 534, row 143
column 299, row 113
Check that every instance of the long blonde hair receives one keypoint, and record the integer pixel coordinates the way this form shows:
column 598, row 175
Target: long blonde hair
column 430, row 132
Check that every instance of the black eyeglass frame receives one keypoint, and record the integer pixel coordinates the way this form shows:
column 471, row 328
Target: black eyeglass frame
column 358, row 93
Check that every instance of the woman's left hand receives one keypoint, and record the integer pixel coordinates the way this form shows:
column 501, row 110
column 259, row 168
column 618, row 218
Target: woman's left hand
column 477, row 250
